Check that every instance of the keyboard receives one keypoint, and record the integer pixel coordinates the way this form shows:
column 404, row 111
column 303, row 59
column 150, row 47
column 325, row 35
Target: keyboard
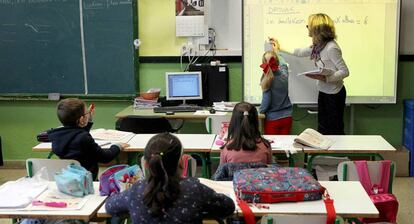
column 177, row 109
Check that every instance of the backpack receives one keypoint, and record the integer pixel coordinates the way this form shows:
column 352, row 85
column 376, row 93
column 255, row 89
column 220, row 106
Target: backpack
column 43, row 136
column 225, row 172
column 74, row 180
column 386, row 203
column 278, row 184
column 118, row 178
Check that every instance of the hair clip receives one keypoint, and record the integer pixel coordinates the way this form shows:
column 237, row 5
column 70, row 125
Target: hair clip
column 246, row 113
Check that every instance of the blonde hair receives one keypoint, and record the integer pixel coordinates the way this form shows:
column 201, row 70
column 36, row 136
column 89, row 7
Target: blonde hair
column 321, row 27
column 266, row 79
column 267, row 55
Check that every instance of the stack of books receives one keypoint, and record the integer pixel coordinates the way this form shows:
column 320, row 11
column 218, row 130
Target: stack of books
column 141, row 103
column 224, row 106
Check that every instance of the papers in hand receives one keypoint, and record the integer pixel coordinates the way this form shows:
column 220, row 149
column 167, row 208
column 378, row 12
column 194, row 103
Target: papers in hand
column 320, row 71
column 111, row 135
column 314, row 139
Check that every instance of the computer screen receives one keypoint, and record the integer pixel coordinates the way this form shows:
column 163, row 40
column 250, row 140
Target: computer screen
column 183, row 85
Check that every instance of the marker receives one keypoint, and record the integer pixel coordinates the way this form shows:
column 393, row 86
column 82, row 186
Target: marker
column 92, row 108
column 50, row 204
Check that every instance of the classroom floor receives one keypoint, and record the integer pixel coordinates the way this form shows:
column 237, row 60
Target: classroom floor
column 403, row 189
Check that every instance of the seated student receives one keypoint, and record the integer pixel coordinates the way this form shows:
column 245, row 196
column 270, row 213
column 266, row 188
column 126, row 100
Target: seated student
column 73, row 141
column 245, row 143
column 165, row 197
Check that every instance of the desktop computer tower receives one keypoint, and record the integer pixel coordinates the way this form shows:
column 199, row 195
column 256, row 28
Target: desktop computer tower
column 215, row 81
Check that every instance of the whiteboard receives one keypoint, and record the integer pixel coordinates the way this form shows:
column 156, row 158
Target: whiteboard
column 229, row 29
column 367, row 32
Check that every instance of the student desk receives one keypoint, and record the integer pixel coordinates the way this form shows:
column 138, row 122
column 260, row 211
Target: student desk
column 86, row 213
column 199, row 144
column 178, row 115
column 350, row 200
column 150, row 112
column 344, row 145
column 351, row 146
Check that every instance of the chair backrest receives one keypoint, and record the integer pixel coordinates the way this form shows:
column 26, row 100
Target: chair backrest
column 191, row 166
column 33, row 165
column 213, row 123
column 347, row 172
column 144, row 125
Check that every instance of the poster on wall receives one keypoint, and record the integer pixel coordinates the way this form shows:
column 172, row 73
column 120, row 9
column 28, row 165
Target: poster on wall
column 189, row 18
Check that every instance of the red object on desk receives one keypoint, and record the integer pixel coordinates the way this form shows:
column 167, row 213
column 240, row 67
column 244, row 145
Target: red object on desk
column 50, row 204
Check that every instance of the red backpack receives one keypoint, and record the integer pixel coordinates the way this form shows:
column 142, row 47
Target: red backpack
column 386, row 203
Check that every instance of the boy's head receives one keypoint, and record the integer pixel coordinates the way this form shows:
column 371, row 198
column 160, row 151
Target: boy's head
column 71, row 111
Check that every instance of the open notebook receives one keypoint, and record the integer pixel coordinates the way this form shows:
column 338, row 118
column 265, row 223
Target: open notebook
column 111, row 135
column 314, row 139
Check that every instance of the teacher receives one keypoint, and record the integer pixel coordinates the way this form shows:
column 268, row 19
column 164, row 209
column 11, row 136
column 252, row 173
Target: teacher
column 326, row 53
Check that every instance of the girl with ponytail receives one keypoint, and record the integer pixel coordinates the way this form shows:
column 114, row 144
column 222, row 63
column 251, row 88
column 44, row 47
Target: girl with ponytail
column 245, row 143
column 165, row 197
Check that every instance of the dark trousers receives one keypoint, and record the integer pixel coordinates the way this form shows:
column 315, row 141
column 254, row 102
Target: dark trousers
column 331, row 112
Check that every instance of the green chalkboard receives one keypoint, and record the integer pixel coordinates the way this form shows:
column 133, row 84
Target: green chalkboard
column 67, row 47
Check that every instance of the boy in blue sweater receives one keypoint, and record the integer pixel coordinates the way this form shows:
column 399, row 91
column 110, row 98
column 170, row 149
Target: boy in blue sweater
column 73, row 140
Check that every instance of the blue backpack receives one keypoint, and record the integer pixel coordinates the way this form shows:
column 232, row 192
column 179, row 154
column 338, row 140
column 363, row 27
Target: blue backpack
column 74, row 180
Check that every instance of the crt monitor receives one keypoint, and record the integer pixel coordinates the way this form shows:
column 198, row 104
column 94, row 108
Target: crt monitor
column 183, row 86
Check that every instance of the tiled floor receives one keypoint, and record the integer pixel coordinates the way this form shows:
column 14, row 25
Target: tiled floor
column 403, row 189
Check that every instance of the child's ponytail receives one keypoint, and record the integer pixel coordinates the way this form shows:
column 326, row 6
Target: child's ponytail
column 270, row 64
column 162, row 155
column 243, row 130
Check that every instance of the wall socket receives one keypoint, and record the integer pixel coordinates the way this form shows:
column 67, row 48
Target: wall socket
column 187, row 48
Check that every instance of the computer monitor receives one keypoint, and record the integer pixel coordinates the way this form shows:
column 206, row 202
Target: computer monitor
column 183, row 86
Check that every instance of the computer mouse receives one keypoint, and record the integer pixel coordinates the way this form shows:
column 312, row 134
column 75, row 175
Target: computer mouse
column 212, row 111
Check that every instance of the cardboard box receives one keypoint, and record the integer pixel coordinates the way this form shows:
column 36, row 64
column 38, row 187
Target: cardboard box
column 401, row 159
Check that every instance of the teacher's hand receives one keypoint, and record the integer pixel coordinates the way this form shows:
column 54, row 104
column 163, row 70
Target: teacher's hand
column 316, row 76
column 275, row 44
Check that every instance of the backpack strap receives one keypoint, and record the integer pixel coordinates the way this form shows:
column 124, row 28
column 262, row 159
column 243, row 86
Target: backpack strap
column 385, row 175
column 363, row 174
column 364, row 178
column 330, row 208
column 246, row 210
column 184, row 163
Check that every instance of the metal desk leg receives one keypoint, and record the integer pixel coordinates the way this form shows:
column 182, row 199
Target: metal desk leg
column 205, row 161
column 132, row 158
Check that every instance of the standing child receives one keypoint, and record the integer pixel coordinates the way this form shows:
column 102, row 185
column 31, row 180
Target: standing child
column 73, row 141
column 164, row 197
column 245, row 143
column 275, row 104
